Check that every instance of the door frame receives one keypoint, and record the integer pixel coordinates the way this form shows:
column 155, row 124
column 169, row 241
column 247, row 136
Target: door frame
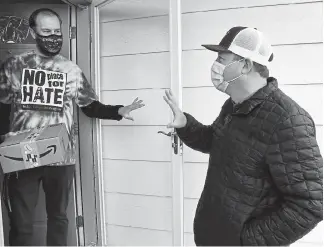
column 78, row 207
column 97, row 145
column 175, row 38
column 87, row 137
column 176, row 86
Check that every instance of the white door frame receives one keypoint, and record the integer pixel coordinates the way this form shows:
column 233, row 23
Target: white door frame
column 77, row 178
column 176, row 87
column 95, row 61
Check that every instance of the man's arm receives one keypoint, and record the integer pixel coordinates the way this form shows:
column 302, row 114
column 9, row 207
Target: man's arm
column 296, row 168
column 99, row 110
column 196, row 135
column 87, row 100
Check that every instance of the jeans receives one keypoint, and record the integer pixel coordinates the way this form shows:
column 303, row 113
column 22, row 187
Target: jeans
column 23, row 190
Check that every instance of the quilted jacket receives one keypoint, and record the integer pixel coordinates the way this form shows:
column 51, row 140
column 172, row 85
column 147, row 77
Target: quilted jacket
column 264, row 178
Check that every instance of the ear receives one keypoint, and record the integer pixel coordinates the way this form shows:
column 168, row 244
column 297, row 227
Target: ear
column 32, row 32
column 248, row 65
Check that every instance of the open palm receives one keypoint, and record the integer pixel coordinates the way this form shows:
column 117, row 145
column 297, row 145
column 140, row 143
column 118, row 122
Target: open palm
column 180, row 119
column 126, row 110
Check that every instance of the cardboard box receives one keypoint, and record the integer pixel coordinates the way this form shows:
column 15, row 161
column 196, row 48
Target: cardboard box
column 33, row 148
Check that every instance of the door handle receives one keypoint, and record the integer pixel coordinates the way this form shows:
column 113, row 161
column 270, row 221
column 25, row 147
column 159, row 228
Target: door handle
column 167, row 134
column 176, row 142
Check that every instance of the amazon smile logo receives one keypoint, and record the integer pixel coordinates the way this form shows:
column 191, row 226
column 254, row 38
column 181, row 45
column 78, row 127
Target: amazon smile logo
column 51, row 148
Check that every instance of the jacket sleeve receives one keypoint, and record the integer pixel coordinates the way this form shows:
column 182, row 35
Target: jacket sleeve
column 196, row 135
column 101, row 111
column 296, row 168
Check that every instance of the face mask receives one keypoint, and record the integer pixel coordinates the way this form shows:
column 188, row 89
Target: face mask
column 217, row 75
column 49, row 45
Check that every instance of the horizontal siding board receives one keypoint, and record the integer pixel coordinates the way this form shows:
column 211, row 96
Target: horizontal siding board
column 139, row 211
column 189, row 211
column 289, row 24
column 135, row 143
column 135, row 36
column 129, row 236
column 285, row 67
column 289, row 70
column 190, row 155
column 138, row 177
column 189, row 239
column 135, row 71
column 207, row 5
column 204, row 103
column 128, row 9
column 155, row 112
column 194, row 176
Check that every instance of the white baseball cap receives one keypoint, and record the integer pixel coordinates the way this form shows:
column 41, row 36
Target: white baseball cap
column 246, row 42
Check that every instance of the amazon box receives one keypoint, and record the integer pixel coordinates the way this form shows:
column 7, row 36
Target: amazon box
column 33, row 148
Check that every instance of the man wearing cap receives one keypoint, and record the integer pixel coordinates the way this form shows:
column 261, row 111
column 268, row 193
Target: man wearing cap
column 264, row 179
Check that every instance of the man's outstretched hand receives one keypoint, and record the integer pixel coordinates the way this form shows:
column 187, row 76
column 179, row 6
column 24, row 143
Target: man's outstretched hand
column 180, row 119
column 126, row 110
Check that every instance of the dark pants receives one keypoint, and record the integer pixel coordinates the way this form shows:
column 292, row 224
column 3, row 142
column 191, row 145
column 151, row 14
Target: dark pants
column 23, row 190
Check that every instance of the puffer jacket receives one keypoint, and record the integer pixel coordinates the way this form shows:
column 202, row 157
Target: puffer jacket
column 264, row 180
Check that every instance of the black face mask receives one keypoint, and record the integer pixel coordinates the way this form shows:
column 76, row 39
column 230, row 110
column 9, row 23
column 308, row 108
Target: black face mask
column 49, row 45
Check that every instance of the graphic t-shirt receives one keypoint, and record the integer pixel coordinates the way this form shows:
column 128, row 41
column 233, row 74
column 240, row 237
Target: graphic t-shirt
column 42, row 91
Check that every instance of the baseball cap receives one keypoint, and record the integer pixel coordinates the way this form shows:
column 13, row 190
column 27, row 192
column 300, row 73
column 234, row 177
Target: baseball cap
column 246, row 42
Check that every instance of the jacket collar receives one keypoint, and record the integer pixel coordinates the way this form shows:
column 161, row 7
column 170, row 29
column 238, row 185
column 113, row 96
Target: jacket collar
column 256, row 99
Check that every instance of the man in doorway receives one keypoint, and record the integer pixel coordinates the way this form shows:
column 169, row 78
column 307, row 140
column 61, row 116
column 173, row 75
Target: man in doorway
column 264, row 181
column 40, row 100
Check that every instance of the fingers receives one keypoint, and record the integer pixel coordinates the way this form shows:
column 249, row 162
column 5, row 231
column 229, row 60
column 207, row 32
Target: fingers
column 135, row 100
column 136, row 103
column 135, row 106
column 129, row 118
column 170, row 95
column 171, row 104
column 170, row 92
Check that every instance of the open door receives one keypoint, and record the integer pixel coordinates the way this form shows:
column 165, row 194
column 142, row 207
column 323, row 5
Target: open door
column 137, row 53
column 15, row 40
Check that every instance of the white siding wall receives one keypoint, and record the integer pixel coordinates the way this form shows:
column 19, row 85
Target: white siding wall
column 295, row 30
column 135, row 63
